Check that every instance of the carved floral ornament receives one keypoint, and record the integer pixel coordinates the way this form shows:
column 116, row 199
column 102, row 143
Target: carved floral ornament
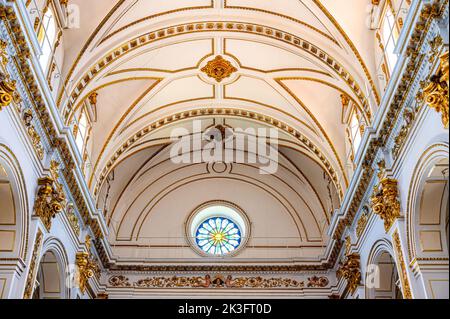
column 7, row 91
column 219, row 69
column 50, row 199
column 217, row 281
column 435, row 93
column 7, row 87
column 385, row 201
column 350, row 271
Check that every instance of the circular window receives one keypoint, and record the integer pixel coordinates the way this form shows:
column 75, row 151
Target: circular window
column 218, row 236
column 217, row 229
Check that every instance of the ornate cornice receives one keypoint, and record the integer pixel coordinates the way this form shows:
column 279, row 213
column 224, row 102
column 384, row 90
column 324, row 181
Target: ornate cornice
column 428, row 14
column 16, row 34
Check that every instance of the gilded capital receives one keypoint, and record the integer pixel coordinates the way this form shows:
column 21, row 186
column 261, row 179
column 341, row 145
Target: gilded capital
column 436, row 91
column 385, row 202
column 49, row 202
column 350, row 270
column 87, row 267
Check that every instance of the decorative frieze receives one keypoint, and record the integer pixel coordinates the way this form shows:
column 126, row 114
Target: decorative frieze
column 318, row 282
column 217, row 281
column 350, row 270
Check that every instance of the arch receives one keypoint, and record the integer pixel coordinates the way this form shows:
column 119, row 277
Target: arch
column 427, row 211
column 382, row 279
column 51, row 280
column 13, row 207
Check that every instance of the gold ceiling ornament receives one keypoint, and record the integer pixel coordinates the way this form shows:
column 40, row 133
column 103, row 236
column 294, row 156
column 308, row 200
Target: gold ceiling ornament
column 345, row 100
column 401, row 263
column 436, row 92
column 385, row 202
column 49, row 202
column 219, row 69
column 7, row 90
column 87, row 267
column 93, row 98
column 350, row 270
column 31, row 130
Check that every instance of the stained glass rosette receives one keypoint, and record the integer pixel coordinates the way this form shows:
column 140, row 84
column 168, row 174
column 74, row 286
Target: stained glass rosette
column 218, row 236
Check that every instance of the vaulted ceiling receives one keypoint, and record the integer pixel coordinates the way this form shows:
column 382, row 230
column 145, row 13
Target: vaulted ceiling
column 291, row 60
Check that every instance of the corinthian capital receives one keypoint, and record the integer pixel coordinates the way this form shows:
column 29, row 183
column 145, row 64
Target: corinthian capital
column 385, row 202
column 436, row 92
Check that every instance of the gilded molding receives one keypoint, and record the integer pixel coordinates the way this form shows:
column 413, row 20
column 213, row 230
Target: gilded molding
column 32, row 272
column 401, row 263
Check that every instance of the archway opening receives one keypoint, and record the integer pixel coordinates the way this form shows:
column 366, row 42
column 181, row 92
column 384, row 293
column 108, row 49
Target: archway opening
column 7, row 214
column 387, row 281
column 48, row 282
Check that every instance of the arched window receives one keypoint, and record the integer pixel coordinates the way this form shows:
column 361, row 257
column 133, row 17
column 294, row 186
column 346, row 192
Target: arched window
column 356, row 132
column 46, row 36
column 81, row 132
column 390, row 32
